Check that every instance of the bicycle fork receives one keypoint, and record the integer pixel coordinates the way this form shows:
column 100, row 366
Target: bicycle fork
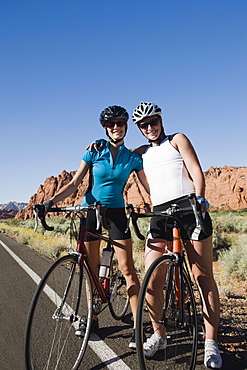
column 175, row 278
column 58, row 314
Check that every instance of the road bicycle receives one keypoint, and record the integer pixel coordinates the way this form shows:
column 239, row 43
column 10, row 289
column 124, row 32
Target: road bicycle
column 172, row 309
column 66, row 300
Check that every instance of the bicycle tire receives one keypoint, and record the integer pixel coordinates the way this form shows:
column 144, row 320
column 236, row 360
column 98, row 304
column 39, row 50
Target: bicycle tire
column 50, row 342
column 181, row 349
column 118, row 298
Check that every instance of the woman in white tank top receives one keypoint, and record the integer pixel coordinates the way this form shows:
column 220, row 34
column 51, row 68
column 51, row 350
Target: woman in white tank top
column 164, row 165
column 173, row 171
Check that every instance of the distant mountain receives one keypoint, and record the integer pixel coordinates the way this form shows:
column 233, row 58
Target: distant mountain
column 15, row 206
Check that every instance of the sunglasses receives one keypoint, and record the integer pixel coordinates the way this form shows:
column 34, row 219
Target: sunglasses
column 111, row 124
column 152, row 123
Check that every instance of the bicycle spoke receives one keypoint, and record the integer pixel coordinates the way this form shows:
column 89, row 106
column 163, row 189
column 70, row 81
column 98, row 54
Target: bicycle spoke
column 159, row 311
column 118, row 295
column 50, row 336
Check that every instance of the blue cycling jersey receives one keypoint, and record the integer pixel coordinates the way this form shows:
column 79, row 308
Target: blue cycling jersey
column 107, row 177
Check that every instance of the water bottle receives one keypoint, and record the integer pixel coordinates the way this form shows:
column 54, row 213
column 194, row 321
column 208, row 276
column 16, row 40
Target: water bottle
column 104, row 269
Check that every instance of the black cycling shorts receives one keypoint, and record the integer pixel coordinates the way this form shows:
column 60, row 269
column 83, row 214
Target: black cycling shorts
column 160, row 227
column 116, row 218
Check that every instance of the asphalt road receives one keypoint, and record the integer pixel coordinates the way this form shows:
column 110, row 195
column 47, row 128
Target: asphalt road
column 107, row 350
column 17, row 289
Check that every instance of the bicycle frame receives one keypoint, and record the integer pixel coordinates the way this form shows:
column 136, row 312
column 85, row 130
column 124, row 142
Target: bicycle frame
column 68, row 296
column 84, row 261
column 179, row 262
column 166, row 303
column 81, row 248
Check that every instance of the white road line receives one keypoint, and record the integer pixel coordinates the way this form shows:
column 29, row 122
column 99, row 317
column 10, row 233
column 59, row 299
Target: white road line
column 106, row 355
column 111, row 360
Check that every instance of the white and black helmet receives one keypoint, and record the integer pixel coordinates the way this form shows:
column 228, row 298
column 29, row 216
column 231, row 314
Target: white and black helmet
column 144, row 110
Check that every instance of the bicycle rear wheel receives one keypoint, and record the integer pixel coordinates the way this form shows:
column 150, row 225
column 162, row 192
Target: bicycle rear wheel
column 50, row 341
column 159, row 312
column 118, row 296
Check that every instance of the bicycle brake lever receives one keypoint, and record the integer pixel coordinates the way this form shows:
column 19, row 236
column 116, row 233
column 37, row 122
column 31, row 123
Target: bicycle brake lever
column 36, row 219
column 40, row 209
column 193, row 202
column 100, row 216
column 129, row 209
column 97, row 213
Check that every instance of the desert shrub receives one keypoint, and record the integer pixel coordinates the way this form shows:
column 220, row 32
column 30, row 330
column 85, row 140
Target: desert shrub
column 12, row 221
column 139, row 264
column 51, row 246
column 47, row 243
column 234, row 260
column 24, row 235
column 226, row 227
column 7, row 229
column 229, row 222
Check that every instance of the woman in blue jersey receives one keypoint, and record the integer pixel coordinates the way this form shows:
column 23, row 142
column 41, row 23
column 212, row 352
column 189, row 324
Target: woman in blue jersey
column 109, row 171
column 172, row 162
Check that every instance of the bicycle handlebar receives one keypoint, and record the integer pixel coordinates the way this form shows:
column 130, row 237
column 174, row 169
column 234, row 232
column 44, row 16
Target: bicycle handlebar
column 174, row 208
column 134, row 216
column 100, row 211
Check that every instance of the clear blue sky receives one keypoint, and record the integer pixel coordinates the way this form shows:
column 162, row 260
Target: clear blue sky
column 63, row 61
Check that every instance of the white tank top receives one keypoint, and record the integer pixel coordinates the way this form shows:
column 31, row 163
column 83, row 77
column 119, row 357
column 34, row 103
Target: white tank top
column 166, row 173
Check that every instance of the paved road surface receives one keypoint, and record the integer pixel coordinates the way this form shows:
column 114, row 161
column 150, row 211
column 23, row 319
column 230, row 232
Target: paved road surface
column 17, row 288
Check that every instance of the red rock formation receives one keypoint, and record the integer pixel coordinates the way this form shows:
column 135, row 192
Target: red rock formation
column 226, row 188
column 133, row 193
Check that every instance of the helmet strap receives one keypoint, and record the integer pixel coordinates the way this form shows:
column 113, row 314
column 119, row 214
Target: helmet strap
column 118, row 140
column 115, row 141
column 160, row 138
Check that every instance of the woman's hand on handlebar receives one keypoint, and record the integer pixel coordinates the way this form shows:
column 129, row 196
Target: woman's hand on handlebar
column 47, row 204
column 40, row 211
column 43, row 208
column 203, row 203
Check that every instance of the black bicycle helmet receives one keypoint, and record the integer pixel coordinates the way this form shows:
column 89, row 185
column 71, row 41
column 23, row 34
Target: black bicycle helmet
column 114, row 111
column 144, row 110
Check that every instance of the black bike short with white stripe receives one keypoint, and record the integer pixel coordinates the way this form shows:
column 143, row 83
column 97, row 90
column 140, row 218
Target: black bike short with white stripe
column 160, row 227
column 116, row 218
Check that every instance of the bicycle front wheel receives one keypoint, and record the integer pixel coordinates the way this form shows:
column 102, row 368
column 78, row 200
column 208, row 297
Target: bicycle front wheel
column 51, row 342
column 118, row 297
column 159, row 311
